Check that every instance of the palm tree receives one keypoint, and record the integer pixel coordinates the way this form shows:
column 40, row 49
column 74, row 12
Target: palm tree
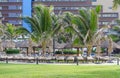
column 41, row 24
column 116, row 32
column 10, row 32
column 57, row 24
column 116, row 3
column 100, row 37
column 74, row 41
column 1, row 34
column 85, row 25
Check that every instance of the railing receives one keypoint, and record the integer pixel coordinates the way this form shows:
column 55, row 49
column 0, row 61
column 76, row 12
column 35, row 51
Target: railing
column 61, row 59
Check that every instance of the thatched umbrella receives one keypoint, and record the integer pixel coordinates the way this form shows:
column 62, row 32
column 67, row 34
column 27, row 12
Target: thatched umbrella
column 59, row 46
column 116, row 45
column 22, row 44
column 28, row 44
column 8, row 44
column 78, row 48
column 118, row 42
column 68, row 45
column 106, row 44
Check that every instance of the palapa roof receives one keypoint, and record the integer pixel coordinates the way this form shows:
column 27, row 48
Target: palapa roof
column 8, row 44
column 105, row 44
column 59, row 45
column 24, row 43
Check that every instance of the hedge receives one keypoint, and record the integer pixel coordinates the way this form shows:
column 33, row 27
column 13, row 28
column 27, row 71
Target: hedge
column 12, row 51
column 66, row 52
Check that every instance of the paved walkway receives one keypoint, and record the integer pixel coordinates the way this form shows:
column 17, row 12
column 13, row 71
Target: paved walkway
column 114, row 63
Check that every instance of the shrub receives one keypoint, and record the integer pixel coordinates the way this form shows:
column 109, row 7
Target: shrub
column 69, row 52
column 12, row 51
column 66, row 52
column 58, row 52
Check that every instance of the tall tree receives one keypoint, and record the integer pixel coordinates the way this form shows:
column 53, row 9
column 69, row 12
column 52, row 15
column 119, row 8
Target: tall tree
column 86, row 25
column 116, row 3
column 41, row 24
column 10, row 32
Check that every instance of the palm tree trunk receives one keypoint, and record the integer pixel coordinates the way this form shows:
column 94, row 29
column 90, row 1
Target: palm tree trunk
column 30, row 46
column 78, row 51
column 1, row 48
column 89, row 50
column 44, row 47
column 53, row 46
column 11, row 42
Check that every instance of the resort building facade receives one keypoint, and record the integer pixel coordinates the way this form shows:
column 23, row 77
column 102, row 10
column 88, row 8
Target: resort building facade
column 12, row 10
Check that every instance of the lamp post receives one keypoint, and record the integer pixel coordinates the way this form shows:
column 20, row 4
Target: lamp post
column 53, row 45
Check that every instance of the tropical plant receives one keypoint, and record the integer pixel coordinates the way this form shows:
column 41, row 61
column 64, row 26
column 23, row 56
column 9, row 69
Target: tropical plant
column 116, row 3
column 1, row 34
column 12, row 51
column 42, row 28
column 99, row 37
column 86, row 25
column 10, row 32
column 115, row 35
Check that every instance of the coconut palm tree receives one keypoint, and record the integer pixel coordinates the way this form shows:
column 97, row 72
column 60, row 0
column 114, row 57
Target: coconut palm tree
column 116, row 32
column 85, row 25
column 116, row 3
column 100, row 37
column 1, row 34
column 74, row 41
column 10, row 32
column 42, row 28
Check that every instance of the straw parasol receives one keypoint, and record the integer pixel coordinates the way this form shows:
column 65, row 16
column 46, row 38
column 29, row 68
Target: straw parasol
column 118, row 42
column 21, row 44
column 28, row 44
column 106, row 44
column 24, row 43
column 68, row 45
column 8, row 44
column 59, row 46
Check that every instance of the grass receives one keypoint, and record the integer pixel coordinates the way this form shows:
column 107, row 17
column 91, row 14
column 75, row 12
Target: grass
column 58, row 71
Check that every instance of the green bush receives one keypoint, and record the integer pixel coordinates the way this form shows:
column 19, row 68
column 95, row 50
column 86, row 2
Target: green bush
column 69, row 52
column 66, row 52
column 58, row 52
column 12, row 51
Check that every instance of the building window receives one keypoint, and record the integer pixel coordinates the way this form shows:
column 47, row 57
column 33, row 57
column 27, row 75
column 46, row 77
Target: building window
column 15, row 22
column 14, row 7
column 14, row 15
column 110, row 7
column 0, row 8
column 94, row 0
column 10, row 0
column 0, row 14
column 61, row 0
column 114, row 15
column 3, row 0
column 105, row 22
column 15, row 0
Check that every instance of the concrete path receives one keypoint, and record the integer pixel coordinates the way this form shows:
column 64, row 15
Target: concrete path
column 114, row 63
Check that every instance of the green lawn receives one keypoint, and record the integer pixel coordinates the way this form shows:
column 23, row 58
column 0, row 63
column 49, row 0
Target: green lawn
column 58, row 71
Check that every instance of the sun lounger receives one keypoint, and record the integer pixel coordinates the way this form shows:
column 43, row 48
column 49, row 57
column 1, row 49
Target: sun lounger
column 70, row 58
column 90, row 59
column 80, row 59
column 60, row 58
